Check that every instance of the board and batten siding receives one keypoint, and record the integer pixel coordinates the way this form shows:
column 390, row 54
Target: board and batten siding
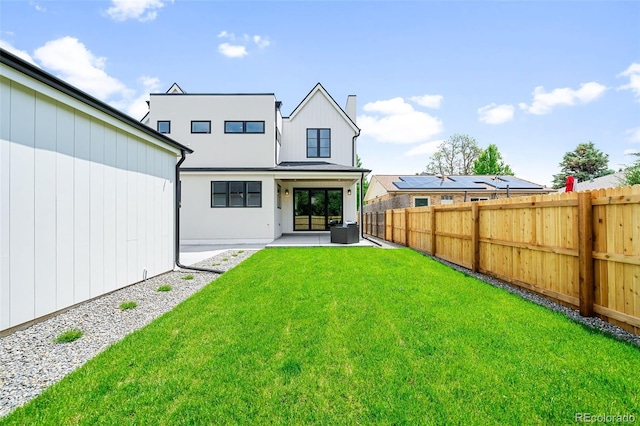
column 86, row 201
column 317, row 113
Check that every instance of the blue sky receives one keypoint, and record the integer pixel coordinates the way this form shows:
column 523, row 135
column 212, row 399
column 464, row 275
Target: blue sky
column 535, row 78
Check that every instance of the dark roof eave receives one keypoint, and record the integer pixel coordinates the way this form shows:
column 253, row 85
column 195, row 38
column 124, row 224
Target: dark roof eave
column 270, row 169
column 42, row 76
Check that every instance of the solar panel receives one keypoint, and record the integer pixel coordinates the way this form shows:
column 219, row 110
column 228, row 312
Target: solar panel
column 463, row 182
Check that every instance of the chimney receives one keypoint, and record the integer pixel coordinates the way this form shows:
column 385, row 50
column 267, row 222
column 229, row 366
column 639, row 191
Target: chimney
column 351, row 107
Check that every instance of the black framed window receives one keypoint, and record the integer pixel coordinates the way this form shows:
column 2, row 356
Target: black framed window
column 236, row 194
column 421, row 201
column 318, row 143
column 164, row 126
column 244, row 126
column 201, row 127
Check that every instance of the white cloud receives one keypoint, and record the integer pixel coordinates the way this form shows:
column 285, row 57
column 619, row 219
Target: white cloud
column 37, row 6
column 425, row 148
column 634, row 134
column 19, row 53
column 141, row 10
column 396, row 121
column 633, row 72
column 496, row 114
column 75, row 64
column 630, row 151
column 240, row 45
column 137, row 108
column 260, row 41
column 428, row 101
column 543, row 102
column 232, row 51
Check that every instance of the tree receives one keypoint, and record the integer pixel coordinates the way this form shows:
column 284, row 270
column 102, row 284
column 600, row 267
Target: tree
column 489, row 162
column 631, row 174
column 583, row 163
column 365, row 182
column 455, row 156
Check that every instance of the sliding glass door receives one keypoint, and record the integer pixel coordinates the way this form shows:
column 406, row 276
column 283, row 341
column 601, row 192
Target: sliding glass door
column 314, row 209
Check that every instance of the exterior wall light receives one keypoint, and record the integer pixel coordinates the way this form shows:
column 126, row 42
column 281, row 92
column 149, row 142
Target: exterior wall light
column 286, row 192
column 348, row 192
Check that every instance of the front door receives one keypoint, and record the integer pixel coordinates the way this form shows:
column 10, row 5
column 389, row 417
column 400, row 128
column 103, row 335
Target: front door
column 314, row 209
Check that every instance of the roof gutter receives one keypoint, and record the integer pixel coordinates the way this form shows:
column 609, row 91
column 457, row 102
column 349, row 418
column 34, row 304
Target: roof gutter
column 178, row 198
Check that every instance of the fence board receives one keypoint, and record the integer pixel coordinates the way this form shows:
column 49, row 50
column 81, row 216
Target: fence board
column 535, row 242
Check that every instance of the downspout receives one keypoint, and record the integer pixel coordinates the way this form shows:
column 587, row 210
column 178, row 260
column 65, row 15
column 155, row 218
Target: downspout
column 178, row 196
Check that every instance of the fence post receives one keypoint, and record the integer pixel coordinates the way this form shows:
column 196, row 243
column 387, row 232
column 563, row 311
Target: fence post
column 585, row 253
column 406, row 228
column 475, row 237
column 390, row 226
column 433, row 231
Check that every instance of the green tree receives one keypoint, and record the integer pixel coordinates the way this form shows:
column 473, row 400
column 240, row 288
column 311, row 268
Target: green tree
column 365, row 182
column 455, row 156
column 631, row 174
column 489, row 162
column 583, row 163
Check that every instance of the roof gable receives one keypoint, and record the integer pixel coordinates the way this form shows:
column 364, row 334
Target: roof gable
column 318, row 90
column 175, row 90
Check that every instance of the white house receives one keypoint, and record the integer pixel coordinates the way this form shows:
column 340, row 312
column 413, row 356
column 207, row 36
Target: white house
column 87, row 196
column 255, row 174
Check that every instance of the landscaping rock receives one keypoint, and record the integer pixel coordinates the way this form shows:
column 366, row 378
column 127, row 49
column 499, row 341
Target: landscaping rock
column 30, row 360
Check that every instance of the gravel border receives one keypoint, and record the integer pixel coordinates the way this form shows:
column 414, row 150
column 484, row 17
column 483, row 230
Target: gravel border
column 30, row 360
column 591, row 322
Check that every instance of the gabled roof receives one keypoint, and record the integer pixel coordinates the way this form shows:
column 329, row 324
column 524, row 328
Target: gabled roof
column 175, row 90
column 319, row 89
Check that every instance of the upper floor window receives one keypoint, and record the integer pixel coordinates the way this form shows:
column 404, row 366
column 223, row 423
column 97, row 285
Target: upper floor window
column 318, row 143
column 201, row 127
column 164, row 126
column 244, row 126
column 236, row 194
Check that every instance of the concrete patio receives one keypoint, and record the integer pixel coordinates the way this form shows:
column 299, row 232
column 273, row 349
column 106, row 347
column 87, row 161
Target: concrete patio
column 191, row 254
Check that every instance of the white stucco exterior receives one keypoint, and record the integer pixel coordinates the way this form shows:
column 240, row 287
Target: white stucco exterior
column 87, row 200
column 276, row 158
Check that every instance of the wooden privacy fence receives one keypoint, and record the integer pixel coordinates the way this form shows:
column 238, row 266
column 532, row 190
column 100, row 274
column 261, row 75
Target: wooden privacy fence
column 581, row 249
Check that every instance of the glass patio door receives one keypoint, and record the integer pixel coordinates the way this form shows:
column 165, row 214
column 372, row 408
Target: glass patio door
column 314, row 209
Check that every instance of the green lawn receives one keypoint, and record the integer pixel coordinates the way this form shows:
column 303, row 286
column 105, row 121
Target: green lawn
column 349, row 336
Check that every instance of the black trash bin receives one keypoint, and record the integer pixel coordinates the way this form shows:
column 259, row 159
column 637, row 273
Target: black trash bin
column 345, row 233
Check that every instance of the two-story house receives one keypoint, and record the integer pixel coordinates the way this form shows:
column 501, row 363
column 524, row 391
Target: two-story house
column 254, row 174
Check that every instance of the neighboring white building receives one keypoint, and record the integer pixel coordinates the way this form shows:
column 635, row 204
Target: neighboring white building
column 87, row 196
column 255, row 174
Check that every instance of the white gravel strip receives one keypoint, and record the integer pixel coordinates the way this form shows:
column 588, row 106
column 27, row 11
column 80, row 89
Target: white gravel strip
column 30, row 360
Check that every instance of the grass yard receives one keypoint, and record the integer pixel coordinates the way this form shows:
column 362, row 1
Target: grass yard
column 349, row 336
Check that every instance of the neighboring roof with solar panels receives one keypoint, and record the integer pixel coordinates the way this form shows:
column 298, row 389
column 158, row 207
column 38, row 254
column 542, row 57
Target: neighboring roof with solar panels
column 465, row 183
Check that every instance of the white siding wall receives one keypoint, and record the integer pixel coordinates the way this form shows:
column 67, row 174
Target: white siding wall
column 218, row 149
column 200, row 223
column 85, row 205
column 318, row 112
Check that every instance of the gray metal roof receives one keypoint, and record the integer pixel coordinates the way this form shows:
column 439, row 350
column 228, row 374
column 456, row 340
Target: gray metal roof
column 608, row 181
